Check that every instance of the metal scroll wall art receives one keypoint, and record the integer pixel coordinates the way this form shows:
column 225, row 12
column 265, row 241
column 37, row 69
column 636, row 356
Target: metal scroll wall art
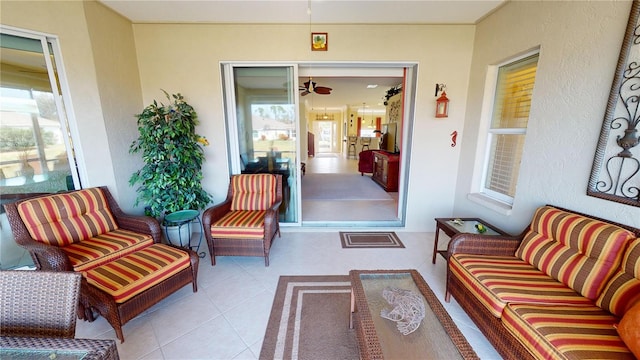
column 615, row 175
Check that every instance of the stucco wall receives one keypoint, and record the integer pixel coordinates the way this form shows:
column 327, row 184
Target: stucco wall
column 579, row 47
column 186, row 58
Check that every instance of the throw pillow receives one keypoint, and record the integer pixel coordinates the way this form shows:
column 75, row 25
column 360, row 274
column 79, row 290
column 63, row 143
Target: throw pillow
column 629, row 330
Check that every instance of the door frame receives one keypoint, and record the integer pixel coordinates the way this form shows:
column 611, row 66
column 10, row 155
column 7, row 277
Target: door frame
column 407, row 70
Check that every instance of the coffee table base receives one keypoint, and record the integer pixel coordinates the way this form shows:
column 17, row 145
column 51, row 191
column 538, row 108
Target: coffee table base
column 437, row 336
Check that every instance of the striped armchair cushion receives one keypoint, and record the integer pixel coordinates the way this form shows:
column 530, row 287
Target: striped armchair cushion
column 131, row 275
column 623, row 290
column 578, row 251
column 498, row 280
column 87, row 254
column 63, row 219
column 253, row 191
column 239, row 225
column 565, row 332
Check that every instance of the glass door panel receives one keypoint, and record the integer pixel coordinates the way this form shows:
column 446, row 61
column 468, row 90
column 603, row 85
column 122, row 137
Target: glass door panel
column 34, row 150
column 267, row 128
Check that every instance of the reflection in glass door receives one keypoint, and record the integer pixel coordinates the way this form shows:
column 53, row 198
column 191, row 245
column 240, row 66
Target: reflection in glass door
column 35, row 149
column 263, row 137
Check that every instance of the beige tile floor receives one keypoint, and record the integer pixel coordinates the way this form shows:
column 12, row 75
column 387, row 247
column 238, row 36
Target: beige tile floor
column 227, row 317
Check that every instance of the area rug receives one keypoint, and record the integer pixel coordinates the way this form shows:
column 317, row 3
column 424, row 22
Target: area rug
column 310, row 320
column 359, row 240
column 341, row 187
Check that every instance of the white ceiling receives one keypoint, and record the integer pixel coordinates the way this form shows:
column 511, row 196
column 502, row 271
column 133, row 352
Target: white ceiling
column 297, row 11
column 347, row 90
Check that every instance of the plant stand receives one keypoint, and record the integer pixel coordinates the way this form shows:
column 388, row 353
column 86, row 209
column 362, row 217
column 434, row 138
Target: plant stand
column 179, row 219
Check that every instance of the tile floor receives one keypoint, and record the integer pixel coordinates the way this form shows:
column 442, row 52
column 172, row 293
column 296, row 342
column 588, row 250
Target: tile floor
column 227, row 317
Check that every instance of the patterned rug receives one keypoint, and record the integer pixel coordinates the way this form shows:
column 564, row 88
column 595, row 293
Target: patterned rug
column 310, row 320
column 355, row 240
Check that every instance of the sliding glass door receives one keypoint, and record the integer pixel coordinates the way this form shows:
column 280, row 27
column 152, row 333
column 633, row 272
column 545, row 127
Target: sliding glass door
column 35, row 148
column 262, row 122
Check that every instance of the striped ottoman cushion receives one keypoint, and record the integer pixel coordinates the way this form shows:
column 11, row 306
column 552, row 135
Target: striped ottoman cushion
column 131, row 275
column 253, row 191
column 565, row 332
column 87, row 254
column 240, row 225
column 578, row 251
column 63, row 219
column 623, row 290
column 499, row 280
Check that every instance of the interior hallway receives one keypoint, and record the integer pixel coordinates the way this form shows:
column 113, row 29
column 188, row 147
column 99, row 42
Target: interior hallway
column 318, row 210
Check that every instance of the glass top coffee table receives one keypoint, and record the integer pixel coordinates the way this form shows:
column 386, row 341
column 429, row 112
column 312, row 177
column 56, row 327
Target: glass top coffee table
column 437, row 337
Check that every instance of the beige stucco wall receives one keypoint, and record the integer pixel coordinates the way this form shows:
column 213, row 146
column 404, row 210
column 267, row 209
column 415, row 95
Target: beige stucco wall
column 580, row 43
column 186, row 58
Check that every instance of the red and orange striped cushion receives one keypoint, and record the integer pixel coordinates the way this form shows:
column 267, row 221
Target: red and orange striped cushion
column 63, row 219
column 565, row 332
column 253, row 191
column 131, row 275
column 499, row 280
column 87, row 254
column 578, row 251
column 623, row 290
column 240, row 225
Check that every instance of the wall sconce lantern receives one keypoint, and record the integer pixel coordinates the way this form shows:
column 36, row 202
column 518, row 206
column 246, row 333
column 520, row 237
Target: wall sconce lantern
column 442, row 103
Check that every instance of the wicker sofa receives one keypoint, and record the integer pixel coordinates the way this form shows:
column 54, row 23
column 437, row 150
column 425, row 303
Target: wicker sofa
column 125, row 268
column 556, row 291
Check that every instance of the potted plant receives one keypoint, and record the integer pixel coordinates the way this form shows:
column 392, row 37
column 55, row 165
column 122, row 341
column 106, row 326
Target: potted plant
column 171, row 178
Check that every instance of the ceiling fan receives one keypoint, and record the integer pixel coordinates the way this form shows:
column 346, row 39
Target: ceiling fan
column 311, row 86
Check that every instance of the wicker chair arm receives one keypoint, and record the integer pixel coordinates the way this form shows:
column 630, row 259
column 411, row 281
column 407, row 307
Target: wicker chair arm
column 483, row 245
column 215, row 213
column 47, row 257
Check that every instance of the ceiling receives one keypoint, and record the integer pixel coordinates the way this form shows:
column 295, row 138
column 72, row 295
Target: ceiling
column 297, row 11
column 347, row 90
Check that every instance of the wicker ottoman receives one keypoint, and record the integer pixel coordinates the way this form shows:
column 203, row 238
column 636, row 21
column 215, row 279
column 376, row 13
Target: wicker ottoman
column 125, row 287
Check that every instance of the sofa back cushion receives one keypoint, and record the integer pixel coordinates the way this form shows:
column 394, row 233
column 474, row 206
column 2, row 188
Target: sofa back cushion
column 623, row 290
column 253, row 191
column 63, row 219
column 574, row 249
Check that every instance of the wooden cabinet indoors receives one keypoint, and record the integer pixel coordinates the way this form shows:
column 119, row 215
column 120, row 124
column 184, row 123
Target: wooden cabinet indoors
column 385, row 170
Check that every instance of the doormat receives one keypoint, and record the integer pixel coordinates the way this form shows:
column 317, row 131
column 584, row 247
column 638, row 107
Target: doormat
column 356, row 240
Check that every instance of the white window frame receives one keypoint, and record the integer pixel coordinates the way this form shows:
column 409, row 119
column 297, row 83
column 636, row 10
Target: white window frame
column 479, row 192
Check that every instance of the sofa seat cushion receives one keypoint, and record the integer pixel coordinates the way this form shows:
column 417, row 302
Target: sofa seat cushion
column 565, row 332
column 581, row 252
column 98, row 250
column 499, row 280
column 128, row 276
column 623, row 290
column 240, row 225
column 67, row 218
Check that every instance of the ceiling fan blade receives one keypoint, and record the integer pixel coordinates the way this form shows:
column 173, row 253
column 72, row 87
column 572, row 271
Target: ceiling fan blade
column 322, row 90
column 306, row 92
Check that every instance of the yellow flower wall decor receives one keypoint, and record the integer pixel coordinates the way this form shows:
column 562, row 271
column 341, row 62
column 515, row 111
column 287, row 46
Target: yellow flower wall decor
column 319, row 41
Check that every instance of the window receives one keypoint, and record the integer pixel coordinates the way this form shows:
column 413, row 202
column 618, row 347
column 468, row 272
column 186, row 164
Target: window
column 506, row 133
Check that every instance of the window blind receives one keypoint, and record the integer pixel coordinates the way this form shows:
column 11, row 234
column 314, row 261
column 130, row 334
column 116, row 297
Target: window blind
column 509, row 121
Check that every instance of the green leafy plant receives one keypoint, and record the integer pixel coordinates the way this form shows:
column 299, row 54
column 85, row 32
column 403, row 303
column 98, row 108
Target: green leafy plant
column 171, row 178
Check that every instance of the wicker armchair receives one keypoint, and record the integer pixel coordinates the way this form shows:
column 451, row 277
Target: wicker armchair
column 38, row 303
column 125, row 269
column 246, row 223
